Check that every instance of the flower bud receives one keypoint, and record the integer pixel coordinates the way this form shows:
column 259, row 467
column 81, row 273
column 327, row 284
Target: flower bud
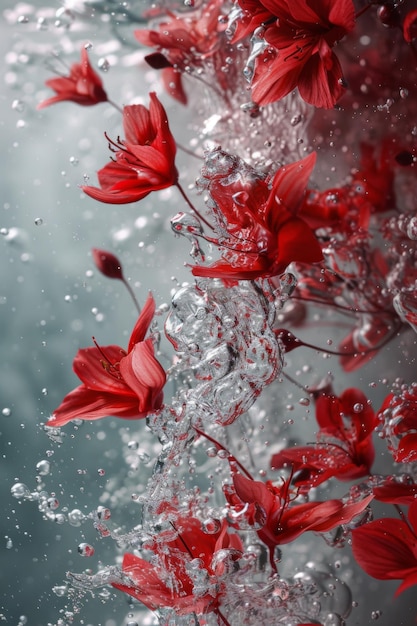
column 107, row 263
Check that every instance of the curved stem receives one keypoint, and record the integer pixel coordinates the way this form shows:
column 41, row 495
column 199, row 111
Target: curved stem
column 192, row 207
column 132, row 295
column 221, row 447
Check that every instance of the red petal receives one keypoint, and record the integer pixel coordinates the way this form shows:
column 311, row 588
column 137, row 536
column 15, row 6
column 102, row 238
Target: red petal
column 383, row 548
column 144, row 321
column 87, row 404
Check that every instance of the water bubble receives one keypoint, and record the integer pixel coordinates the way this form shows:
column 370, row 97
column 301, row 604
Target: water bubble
column 85, row 549
column 9, row 543
column 103, row 513
column 76, row 517
column 296, row 119
column 6, row 412
column 22, row 19
column 358, row 407
column 64, row 18
column 211, row 526
column 103, row 65
column 60, row 590
column 18, row 105
column 376, row 614
column 52, row 504
column 20, row 491
column 304, row 401
column 43, row 468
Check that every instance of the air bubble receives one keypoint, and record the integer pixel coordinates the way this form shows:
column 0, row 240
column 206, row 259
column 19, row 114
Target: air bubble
column 103, row 65
column 376, row 614
column 85, row 549
column 43, row 468
column 6, row 412
column 20, row 491
column 358, row 407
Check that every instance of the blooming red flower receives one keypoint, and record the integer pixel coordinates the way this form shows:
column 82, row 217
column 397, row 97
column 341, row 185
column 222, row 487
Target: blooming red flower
column 387, row 549
column 167, row 582
column 144, row 161
column 277, row 521
column 185, row 42
column 83, row 85
column 300, row 53
column 344, row 447
column 115, row 382
column 261, row 233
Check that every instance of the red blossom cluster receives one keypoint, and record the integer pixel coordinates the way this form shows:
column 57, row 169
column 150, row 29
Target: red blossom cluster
column 353, row 247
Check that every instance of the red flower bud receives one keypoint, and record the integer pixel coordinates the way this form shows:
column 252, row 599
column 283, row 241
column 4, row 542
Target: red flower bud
column 107, row 263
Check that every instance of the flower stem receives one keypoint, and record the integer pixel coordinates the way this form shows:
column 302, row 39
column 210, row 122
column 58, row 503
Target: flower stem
column 132, row 295
column 192, row 207
column 116, row 106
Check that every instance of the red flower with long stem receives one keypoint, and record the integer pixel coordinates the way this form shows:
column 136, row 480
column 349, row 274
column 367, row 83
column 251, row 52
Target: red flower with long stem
column 168, row 582
column 300, row 53
column 115, row 382
column 260, row 231
column 387, row 548
column 83, row 85
column 143, row 162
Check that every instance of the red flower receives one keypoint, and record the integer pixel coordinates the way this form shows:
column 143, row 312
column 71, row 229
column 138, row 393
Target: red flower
column 387, row 549
column 83, row 85
column 300, row 53
column 185, row 42
column 115, row 382
column 344, row 446
column 278, row 521
column 261, row 233
column 144, row 161
column 167, row 582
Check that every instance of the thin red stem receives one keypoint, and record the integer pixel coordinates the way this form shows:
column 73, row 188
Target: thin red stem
column 192, row 207
column 221, row 447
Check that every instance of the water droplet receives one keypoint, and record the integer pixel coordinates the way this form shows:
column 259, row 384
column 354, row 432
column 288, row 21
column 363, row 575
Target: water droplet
column 20, row 491
column 18, row 105
column 103, row 65
column 211, row 526
column 76, row 517
column 52, row 504
column 85, row 549
column 103, row 513
column 43, row 468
